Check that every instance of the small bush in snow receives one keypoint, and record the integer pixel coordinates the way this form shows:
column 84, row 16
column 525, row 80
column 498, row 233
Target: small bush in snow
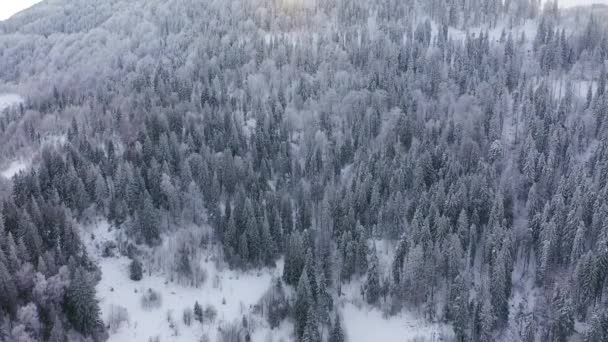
column 135, row 270
column 187, row 316
column 204, row 338
column 108, row 249
column 199, row 275
column 230, row 333
column 198, row 312
column 216, row 282
column 210, row 313
column 116, row 317
column 130, row 251
column 172, row 324
column 274, row 304
column 151, row 300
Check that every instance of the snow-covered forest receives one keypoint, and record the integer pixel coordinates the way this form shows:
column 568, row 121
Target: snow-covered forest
column 304, row 170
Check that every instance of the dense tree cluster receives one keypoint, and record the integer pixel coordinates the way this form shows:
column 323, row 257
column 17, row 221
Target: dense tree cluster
column 44, row 270
column 473, row 151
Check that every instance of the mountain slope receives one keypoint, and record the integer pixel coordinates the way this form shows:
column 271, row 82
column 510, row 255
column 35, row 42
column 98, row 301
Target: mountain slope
column 436, row 164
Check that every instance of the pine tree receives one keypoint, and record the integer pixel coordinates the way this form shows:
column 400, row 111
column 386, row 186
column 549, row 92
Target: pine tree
column 135, row 270
column 57, row 332
column 400, row 253
column 337, row 334
column 8, row 291
column 324, row 300
column 372, row 283
column 309, row 267
column 149, row 221
column 561, row 320
column 198, row 312
column 458, row 308
column 81, row 306
column 598, row 329
column 488, row 321
column 578, row 246
column 311, row 331
column 302, row 304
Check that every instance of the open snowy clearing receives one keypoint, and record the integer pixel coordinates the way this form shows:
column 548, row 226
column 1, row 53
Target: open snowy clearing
column 365, row 324
column 10, row 169
column 575, row 3
column 233, row 294
column 14, row 168
column 9, row 100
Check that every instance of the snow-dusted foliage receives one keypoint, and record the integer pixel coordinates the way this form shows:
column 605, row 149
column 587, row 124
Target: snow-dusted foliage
column 304, row 170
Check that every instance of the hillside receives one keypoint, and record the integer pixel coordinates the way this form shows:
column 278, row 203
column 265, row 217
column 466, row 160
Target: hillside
column 302, row 170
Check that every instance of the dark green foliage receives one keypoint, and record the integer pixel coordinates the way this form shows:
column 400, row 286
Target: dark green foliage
column 81, row 305
column 303, row 303
column 466, row 146
column 598, row 329
column 561, row 317
column 337, row 334
column 372, row 282
column 198, row 312
column 278, row 305
column 311, row 330
column 135, row 270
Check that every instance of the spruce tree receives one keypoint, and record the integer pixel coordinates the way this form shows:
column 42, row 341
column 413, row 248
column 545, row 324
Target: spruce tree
column 311, row 330
column 81, row 305
column 135, row 270
column 337, row 334
column 198, row 312
column 302, row 304
column 372, row 283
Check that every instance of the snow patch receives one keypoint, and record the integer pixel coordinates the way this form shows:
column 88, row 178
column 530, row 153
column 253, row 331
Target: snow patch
column 233, row 294
column 14, row 168
column 9, row 100
column 363, row 324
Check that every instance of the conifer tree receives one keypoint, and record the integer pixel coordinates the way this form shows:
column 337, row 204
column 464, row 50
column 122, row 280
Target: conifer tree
column 337, row 334
column 372, row 283
column 302, row 304
column 81, row 305
column 311, row 331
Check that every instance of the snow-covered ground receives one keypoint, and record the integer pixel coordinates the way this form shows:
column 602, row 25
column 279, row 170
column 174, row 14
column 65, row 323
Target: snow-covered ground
column 233, row 294
column 363, row 324
column 14, row 168
column 574, row 3
column 9, row 100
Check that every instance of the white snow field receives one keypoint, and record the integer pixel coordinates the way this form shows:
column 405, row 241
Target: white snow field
column 241, row 292
column 9, row 100
column 574, row 3
column 14, row 168
column 363, row 324
column 233, row 294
